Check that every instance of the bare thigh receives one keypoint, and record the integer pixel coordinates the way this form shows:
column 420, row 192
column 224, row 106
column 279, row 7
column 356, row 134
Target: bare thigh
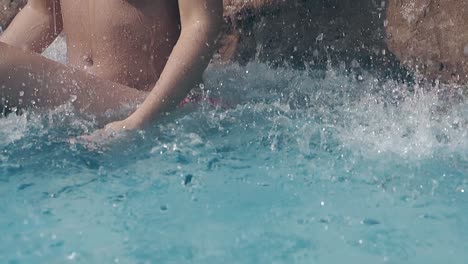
column 28, row 80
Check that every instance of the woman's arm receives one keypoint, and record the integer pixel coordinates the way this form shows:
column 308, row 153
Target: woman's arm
column 35, row 26
column 201, row 21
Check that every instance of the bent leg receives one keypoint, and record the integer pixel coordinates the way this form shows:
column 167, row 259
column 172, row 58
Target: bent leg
column 29, row 80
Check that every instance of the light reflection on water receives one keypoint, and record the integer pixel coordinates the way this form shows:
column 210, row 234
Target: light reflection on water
column 302, row 167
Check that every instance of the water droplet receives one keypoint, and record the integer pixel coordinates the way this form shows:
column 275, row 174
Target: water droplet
column 319, row 37
column 21, row 93
column 73, row 98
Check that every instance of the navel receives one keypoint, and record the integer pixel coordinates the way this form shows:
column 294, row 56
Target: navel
column 88, row 60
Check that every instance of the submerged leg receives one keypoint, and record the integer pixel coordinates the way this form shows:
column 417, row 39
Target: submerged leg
column 29, row 80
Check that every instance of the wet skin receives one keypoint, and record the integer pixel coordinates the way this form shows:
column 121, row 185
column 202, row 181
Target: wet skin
column 119, row 51
column 127, row 42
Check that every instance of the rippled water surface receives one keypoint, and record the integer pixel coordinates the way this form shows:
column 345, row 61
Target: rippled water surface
column 297, row 167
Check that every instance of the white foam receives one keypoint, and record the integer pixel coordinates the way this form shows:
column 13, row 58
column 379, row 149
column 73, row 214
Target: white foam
column 12, row 129
column 368, row 116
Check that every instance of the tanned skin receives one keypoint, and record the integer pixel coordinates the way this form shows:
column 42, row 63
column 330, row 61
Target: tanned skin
column 119, row 52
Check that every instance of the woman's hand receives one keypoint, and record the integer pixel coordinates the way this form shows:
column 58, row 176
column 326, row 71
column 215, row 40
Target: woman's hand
column 111, row 132
column 128, row 124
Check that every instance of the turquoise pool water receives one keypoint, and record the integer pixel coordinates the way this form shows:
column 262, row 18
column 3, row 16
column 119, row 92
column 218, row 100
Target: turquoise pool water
column 303, row 167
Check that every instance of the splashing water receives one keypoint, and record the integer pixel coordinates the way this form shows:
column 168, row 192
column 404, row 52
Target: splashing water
column 302, row 167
